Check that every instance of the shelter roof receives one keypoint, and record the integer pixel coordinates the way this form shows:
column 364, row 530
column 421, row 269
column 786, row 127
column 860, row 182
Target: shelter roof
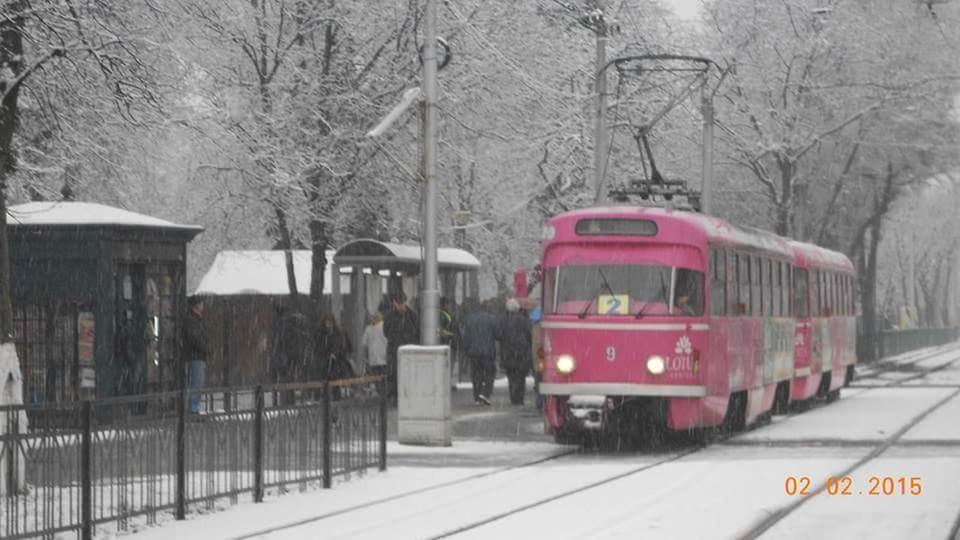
column 259, row 272
column 80, row 214
column 389, row 255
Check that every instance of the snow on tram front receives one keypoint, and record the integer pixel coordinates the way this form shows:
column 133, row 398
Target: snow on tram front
column 658, row 319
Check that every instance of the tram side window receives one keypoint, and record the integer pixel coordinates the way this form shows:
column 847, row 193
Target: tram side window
column 756, row 304
column 718, row 282
column 840, row 296
column 853, row 295
column 800, row 293
column 765, row 277
column 785, row 291
column 743, row 275
column 842, row 280
column 833, row 294
column 777, row 287
column 827, row 294
column 815, row 294
column 548, row 300
column 733, row 285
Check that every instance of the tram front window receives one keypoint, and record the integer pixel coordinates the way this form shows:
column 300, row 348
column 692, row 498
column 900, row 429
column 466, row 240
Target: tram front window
column 636, row 290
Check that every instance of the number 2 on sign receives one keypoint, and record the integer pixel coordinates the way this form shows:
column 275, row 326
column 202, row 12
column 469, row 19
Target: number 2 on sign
column 613, row 304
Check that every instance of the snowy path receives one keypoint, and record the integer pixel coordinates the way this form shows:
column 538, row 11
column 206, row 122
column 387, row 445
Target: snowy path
column 723, row 491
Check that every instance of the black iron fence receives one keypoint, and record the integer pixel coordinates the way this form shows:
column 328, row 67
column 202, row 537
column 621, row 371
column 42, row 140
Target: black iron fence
column 83, row 464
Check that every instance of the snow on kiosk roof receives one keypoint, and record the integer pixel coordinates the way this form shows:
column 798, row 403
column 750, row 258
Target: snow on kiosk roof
column 85, row 214
column 388, row 255
column 259, row 272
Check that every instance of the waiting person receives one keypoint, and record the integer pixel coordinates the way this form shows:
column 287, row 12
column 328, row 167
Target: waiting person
column 373, row 347
column 449, row 336
column 480, row 346
column 515, row 349
column 195, row 343
column 402, row 327
column 335, row 348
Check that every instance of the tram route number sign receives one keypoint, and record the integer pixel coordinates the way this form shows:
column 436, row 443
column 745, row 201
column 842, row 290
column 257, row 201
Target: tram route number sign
column 614, row 304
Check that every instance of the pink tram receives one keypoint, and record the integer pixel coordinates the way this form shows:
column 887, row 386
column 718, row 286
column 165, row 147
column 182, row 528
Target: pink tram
column 655, row 318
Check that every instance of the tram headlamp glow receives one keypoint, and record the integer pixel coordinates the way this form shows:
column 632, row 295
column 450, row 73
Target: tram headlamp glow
column 566, row 364
column 656, row 365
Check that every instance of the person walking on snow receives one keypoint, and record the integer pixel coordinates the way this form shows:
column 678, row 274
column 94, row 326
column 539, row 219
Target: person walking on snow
column 480, row 346
column 515, row 350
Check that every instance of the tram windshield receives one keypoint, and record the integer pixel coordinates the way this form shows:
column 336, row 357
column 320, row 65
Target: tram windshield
column 623, row 289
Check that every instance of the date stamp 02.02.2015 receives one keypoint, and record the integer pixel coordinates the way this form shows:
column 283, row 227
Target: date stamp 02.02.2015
column 841, row 486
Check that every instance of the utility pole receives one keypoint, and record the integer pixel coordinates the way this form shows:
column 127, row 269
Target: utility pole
column 706, row 188
column 431, row 294
column 598, row 24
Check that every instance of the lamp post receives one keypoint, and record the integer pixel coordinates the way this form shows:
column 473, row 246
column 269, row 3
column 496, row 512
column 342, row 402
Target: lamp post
column 431, row 294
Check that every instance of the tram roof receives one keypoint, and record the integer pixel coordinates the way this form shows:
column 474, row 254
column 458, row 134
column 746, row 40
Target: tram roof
column 713, row 229
column 821, row 257
column 718, row 230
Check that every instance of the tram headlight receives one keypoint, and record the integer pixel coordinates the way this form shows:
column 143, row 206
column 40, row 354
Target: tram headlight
column 656, row 365
column 566, row 364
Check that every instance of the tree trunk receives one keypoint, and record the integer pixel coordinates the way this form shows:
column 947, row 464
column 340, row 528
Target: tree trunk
column 11, row 60
column 318, row 256
column 784, row 225
column 868, row 296
column 286, row 243
column 945, row 299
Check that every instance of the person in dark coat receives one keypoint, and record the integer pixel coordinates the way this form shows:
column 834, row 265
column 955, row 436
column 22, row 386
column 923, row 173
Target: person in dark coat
column 402, row 327
column 335, row 349
column 480, row 346
column 515, row 349
column 196, row 344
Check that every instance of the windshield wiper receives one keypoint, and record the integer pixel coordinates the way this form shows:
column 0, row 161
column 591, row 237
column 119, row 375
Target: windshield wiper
column 662, row 296
column 605, row 286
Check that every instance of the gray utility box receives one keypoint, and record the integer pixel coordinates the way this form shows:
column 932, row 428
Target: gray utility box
column 423, row 403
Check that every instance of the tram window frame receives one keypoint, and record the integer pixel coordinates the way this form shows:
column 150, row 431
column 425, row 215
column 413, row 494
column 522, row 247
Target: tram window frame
column 835, row 282
column 786, row 270
column 853, row 295
column 828, row 293
column 777, row 285
column 733, row 285
column 814, row 293
column 843, row 298
column 743, row 280
column 801, row 293
column 772, row 289
column 765, row 304
column 718, row 282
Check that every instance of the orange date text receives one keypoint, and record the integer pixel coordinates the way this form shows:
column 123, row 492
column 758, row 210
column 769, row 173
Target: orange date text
column 843, row 486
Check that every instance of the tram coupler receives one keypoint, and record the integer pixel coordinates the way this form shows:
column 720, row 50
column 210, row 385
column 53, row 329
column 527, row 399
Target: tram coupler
column 589, row 412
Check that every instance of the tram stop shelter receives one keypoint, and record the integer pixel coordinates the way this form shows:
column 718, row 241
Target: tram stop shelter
column 99, row 299
column 245, row 293
column 382, row 268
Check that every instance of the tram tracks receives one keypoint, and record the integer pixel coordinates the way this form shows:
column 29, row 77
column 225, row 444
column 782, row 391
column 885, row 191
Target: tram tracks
column 768, row 522
column 525, row 506
column 779, row 515
column 899, row 364
column 405, row 494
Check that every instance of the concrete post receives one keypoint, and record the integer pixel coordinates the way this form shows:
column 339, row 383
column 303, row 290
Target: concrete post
column 423, row 401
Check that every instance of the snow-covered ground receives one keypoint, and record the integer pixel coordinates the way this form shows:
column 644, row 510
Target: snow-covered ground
column 478, row 489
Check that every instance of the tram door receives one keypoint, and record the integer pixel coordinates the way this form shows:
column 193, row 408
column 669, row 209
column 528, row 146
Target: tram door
column 130, row 330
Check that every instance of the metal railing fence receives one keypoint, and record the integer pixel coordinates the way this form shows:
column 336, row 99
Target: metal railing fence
column 893, row 342
column 83, row 464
